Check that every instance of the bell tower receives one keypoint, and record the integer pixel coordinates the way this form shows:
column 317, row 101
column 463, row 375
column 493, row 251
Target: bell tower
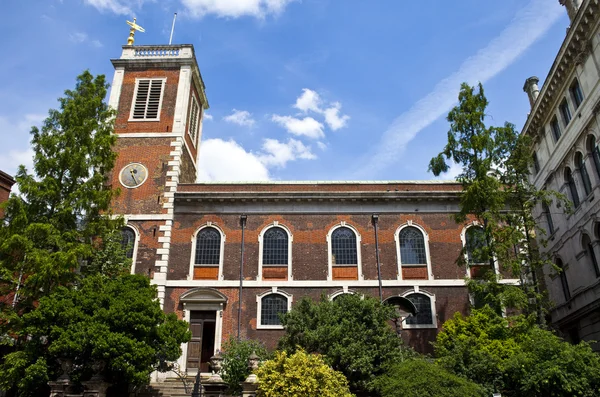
column 159, row 97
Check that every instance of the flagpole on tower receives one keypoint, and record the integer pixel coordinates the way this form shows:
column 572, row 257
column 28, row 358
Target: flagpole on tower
column 172, row 28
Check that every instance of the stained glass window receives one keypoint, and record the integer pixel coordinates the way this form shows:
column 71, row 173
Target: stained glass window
column 275, row 247
column 412, row 246
column 208, row 247
column 128, row 241
column 343, row 246
column 271, row 306
column 424, row 314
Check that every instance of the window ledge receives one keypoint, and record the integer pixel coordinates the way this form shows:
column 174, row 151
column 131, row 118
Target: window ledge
column 270, row 327
column 136, row 120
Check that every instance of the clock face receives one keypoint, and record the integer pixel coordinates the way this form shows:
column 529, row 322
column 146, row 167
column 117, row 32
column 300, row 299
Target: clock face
column 133, row 175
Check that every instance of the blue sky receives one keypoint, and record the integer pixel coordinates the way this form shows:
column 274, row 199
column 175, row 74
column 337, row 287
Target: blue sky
column 298, row 89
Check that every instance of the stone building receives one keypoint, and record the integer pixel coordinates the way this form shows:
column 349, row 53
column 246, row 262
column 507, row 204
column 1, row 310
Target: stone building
column 296, row 239
column 565, row 124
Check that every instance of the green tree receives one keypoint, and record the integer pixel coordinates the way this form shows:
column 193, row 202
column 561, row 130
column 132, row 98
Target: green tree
column 353, row 334
column 516, row 357
column 422, row 378
column 300, row 375
column 115, row 321
column 498, row 195
column 235, row 361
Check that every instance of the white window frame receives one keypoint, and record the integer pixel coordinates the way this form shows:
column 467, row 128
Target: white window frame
column 136, row 241
column 260, row 249
column 432, row 302
column 425, row 241
column 259, row 299
column 463, row 239
column 193, row 254
column 330, row 253
column 343, row 291
column 194, row 136
column 160, row 101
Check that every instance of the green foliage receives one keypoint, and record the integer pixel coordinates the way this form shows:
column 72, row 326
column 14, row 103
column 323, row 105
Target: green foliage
column 352, row 333
column 498, row 195
column 421, row 378
column 300, row 375
column 118, row 321
column 516, row 357
column 235, row 361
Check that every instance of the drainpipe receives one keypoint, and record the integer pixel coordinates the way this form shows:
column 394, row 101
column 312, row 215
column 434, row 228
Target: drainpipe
column 243, row 219
column 375, row 221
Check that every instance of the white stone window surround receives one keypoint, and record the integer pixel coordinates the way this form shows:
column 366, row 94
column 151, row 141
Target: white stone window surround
column 259, row 298
column 330, row 254
column 425, row 241
column 194, row 135
column 135, row 91
column 433, row 325
column 193, row 254
column 463, row 239
column 136, row 241
column 343, row 291
column 260, row 248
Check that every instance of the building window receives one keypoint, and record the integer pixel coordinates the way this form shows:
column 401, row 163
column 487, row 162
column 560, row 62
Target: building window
column 595, row 151
column 563, row 279
column 549, row 221
column 147, row 99
column 475, row 244
column 565, row 112
column 208, row 247
column 275, row 247
column 194, row 121
column 412, row 247
column 572, row 187
column 576, row 93
column 536, row 164
column 589, row 250
column 128, row 241
column 271, row 306
column 424, row 316
column 555, row 127
column 343, row 247
column 585, row 177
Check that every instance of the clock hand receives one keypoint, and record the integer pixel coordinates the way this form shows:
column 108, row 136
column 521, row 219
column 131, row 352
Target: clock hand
column 133, row 175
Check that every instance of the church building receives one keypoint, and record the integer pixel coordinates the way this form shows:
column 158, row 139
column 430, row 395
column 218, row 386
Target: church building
column 230, row 257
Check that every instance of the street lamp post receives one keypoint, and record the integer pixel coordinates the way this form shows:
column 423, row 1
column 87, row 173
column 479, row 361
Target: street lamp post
column 375, row 221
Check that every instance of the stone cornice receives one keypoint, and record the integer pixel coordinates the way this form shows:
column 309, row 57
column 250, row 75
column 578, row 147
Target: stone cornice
column 573, row 51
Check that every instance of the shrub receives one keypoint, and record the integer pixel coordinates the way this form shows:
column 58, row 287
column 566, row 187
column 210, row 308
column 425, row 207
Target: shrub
column 235, row 361
column 300, row 375
column 421, row 378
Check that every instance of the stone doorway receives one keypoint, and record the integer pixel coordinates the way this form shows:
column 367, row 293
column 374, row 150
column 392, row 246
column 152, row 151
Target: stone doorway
column 202, row 345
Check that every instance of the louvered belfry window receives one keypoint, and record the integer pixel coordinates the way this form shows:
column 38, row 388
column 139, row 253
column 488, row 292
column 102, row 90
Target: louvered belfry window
column 194, row 116
column 147, row 99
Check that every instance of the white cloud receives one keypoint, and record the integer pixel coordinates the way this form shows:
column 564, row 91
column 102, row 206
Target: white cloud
column 235, row 8
column 530, row 24
column 221, row 160
column 452, row 173
column 78, row 37
column 308, row 100
column 307, row 126
column 12, row 157
column 279, row 154
column 333, row 118
column 240, row 117
column 97, row 43
column 115, row 6
column 207, row 116
column 322, row 145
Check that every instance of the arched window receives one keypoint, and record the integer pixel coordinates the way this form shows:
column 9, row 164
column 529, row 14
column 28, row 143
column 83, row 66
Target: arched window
column 585, row 177
column 563, row 279
column 208, row 247
column 343, row 246
column 589, row 250
column 595, row 152
column 275, row 247
column 572, row 187
column 424, row 314
column 412, row 246
column 128, row 241
column 271, row 306
column 475, row 243
column 548, row 216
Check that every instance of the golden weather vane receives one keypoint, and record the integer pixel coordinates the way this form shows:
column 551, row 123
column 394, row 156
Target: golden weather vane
column 134, row 27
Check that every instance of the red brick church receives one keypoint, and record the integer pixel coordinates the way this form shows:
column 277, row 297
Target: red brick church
column 288, row 239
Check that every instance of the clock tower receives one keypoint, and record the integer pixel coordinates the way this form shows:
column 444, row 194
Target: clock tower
column 159, row 97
